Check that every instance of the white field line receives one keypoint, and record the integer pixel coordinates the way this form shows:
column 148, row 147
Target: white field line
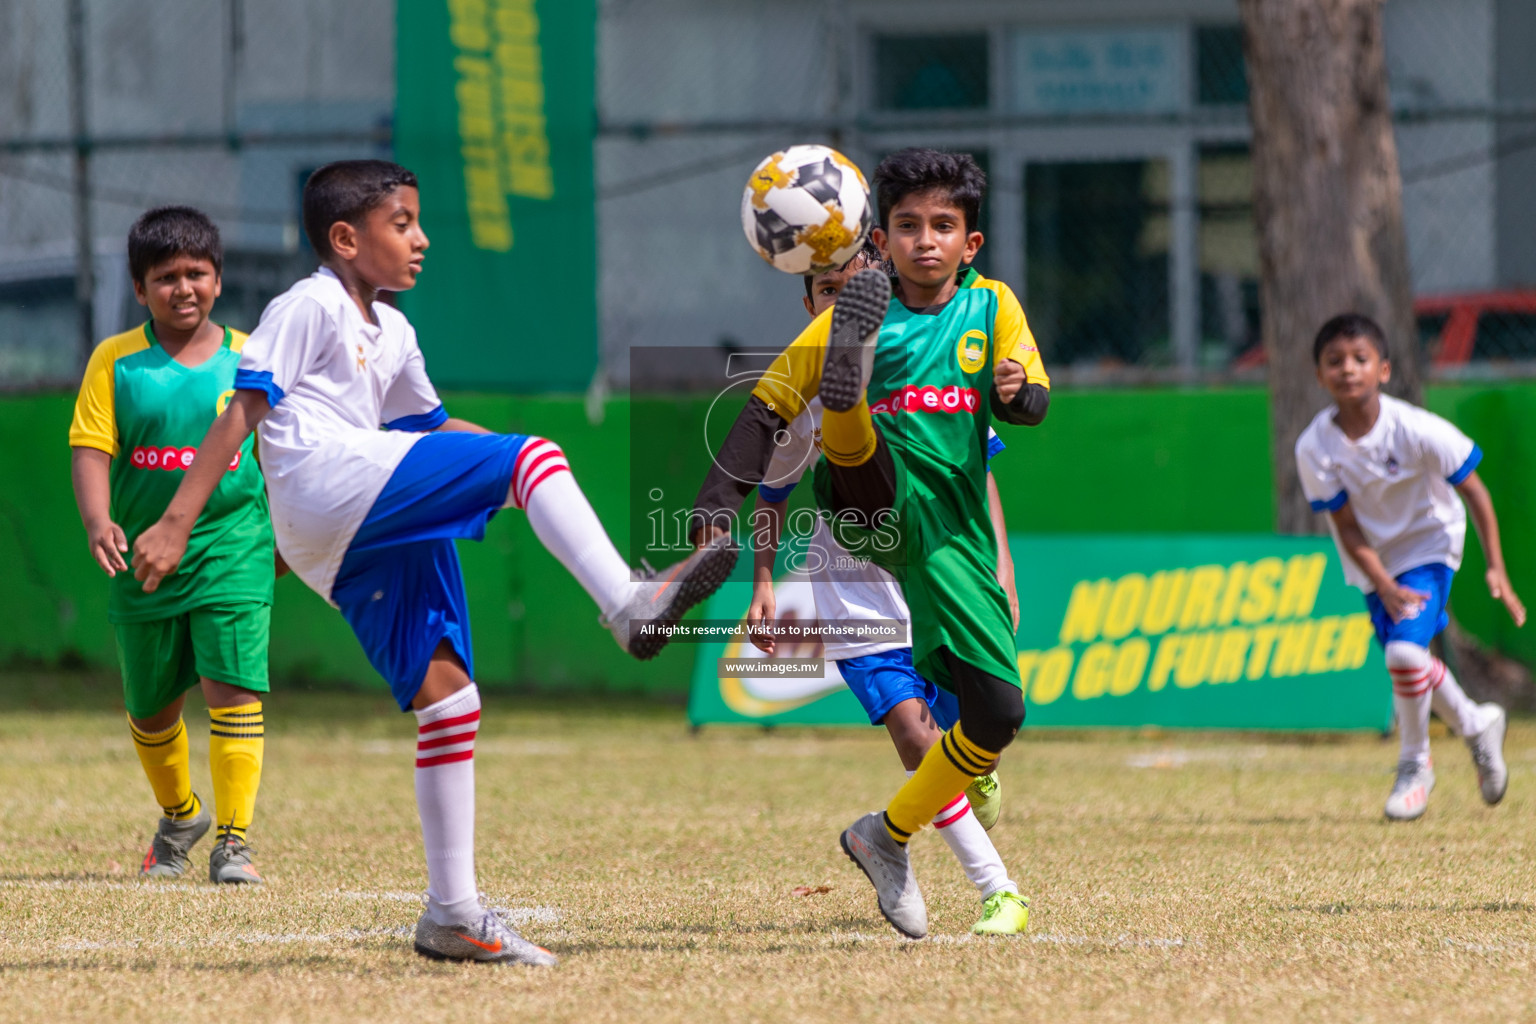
column 246, row 939
column 1491, row 947
column 1122, row 941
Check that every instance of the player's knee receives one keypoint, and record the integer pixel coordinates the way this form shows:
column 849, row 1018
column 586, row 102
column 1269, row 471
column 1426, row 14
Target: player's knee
column 1404, row 655
column 992, row 712
column 538, row 460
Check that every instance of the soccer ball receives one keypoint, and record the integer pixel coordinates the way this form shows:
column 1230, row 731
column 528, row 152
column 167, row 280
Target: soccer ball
column 806, row 210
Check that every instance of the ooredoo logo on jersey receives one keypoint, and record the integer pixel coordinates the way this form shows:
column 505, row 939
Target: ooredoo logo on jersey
column 152, row 457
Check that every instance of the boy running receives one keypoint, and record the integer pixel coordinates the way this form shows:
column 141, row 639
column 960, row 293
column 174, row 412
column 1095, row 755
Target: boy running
column 1388, row 474
column 879, row 672
column 947, row 350
column 148, row 397
column 368, row 517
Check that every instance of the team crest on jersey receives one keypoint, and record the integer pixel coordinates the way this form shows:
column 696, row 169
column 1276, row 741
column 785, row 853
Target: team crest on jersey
column 971, row 352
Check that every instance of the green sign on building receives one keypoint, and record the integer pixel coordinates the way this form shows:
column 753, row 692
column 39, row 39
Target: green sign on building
column 1181, row 631
column 494, row 112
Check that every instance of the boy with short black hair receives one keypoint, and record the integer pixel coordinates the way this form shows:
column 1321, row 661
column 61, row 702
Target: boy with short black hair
column 368, row 517
column 1388, row 474
column 879, row 671
column 148, row 397
column 910, row 491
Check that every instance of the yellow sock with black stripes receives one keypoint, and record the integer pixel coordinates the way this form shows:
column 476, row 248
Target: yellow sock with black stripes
column 947, row 768
column 848, row 438
column 236, row 738
column 169, row 767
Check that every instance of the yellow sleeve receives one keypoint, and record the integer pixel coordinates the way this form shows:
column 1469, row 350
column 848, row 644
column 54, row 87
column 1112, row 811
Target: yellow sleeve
column 95, row 422
column 1014, row 340
column 794, row 378
column 237, row 340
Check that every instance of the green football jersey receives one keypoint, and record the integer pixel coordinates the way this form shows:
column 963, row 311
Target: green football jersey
column 150, row 413
column 929, row 396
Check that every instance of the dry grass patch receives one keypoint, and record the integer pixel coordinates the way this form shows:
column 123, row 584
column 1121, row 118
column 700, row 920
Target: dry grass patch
column 1172, row 878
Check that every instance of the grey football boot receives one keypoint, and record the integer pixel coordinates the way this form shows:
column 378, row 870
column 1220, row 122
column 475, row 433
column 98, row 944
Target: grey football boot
column 850, row 356
column 1410, row 791
column 643, row 626
column 1488, row 754
column 230, row 863
column 167, row 856
column 488, row 939
column 886, row 863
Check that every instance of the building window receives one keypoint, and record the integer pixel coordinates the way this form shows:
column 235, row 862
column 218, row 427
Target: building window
column 1097, row 249
column 1221, row 76
column 930, row 72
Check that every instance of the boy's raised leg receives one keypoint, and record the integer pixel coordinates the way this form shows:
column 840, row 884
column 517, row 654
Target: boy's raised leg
column 565, row 524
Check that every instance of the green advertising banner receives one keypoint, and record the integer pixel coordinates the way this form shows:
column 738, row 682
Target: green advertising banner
column 1177, row 631
column 494, row 112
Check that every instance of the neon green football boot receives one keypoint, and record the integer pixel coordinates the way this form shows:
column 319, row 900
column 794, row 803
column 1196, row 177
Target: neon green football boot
column 1003, row 913
column 986, row 797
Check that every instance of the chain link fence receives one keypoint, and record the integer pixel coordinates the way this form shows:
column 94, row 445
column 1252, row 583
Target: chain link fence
column 1118, row 151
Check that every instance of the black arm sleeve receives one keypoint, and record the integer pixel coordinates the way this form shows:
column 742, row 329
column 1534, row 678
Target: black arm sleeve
column 739, row 465
column 1028, row 407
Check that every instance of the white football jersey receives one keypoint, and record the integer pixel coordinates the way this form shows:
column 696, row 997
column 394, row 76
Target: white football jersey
column 1399, row 479
column 333, row 380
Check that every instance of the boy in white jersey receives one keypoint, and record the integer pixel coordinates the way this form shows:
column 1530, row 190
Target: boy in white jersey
column 368, row 517
column 1388, row 474
column 879, row 672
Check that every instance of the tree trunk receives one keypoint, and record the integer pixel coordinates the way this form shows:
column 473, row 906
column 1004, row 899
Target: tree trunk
column 1327, row 201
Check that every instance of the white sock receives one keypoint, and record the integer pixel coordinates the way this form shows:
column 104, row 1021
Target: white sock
column 1410, row 667
column 565, row 524
column 969, row 842
column 445, row 799
column 1464, row 715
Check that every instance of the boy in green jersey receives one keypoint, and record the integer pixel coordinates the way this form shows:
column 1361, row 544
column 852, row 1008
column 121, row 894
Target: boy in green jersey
column 148, row 397
column 904, row 475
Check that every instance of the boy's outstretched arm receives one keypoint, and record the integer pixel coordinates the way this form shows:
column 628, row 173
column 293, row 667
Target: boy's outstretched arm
column 1395, row 598
column 90, row 471
column 158, row 550
column 1004, row 556
column 1480, row 505
column 767, row 524
column 738, row 467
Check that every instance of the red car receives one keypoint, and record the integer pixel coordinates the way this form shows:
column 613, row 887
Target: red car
column 1471, row 327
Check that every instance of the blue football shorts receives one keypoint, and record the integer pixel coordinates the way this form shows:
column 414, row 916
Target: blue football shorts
column 1434, row 580
column 400, row 587
column 881, row 681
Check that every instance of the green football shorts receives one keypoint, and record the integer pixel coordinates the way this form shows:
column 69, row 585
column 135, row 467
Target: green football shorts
column 945, row 559
column 163, row 658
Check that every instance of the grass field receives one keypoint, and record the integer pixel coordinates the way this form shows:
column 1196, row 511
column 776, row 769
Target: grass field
column 1173, row 877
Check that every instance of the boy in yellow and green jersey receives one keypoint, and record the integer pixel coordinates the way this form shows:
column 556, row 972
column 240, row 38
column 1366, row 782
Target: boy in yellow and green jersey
column 148, row 397
column 908, row 386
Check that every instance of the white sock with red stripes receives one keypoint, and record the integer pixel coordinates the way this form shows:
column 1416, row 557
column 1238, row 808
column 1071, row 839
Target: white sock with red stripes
column 1465, row 716
column 565, row 524
column 972, row 847
column 1410, row 667
column 445, row 799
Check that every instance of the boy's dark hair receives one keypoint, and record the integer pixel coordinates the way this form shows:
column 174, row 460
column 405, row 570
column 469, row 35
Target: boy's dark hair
column 169, row 231
column 955, row 175
column 869, row 252
column 1349, row 325
column 346, row 191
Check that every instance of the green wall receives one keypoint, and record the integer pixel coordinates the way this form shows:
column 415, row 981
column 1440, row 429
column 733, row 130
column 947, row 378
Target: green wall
column 1164, row 461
